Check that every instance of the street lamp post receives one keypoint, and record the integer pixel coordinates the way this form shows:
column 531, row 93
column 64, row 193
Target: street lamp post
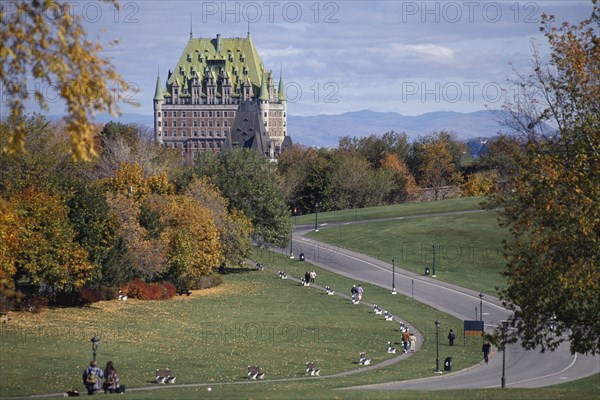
column 481, row 306
column 437, row 346
column 95, row 340
column 393, row 276
column 316, row 217
column 433, row 261
column 503, row 344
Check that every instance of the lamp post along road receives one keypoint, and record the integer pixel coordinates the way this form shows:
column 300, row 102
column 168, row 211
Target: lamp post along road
column 433, row 261
column 393, row 276
column 316, row 217
column 437, row 346
column 481, row 306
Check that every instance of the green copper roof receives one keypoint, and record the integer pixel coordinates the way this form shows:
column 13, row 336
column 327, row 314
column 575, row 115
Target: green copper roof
column 158, row 93
column 264, row 92
column 281, row 89
column 236, row 56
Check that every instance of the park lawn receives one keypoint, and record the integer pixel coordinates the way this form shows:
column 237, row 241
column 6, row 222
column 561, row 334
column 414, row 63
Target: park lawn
column 468, row 246
column 393, row 211
column 326, row 389
column 213, row 335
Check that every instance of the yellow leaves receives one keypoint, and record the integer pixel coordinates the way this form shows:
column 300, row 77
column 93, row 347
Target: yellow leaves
column 55, row 49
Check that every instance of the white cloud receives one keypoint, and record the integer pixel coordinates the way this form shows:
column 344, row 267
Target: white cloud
column 425, row 52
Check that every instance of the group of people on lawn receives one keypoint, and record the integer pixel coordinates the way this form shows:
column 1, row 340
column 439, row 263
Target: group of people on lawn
column 92, row 378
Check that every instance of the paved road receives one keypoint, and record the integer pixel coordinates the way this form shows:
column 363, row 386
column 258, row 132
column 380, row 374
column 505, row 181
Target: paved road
column 525, row 369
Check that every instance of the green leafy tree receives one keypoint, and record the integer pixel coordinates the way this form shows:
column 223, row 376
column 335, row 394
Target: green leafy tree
column 248, row 181
column 552, row 202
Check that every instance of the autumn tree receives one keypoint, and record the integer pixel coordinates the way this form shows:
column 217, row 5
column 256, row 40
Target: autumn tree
column 122, row 143
column 190, row 236
column 437, row 168
column 45, row 40
column 233, row 226
column 552, row 202
column 47, row 252
column 404, row 185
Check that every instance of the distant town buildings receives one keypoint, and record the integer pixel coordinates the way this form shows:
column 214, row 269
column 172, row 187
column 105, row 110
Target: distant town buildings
column 221, row 96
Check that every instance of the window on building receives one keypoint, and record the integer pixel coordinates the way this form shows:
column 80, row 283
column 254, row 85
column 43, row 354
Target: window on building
column 158, row 114
column 195, row 133
column 210, row 133
column 203, row 133
column 210, row 113
column 195, row 145
column 265, row 113
column 218, row 133
column 174, row 113
column 183, row 114
column 183, row 123
column 174, row 133
column 183, row 133
column 218, row 123
column 174, row 122
column 202, row 123
column 195, row 123
column 218, row 113
column 202, row 114
column 195, row 114
column 224, row 113
column 225, row 123
column 209, row 123
column 158, row 123
column 158, row 133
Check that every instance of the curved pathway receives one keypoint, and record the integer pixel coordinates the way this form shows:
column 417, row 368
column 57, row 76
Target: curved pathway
column 523, row 368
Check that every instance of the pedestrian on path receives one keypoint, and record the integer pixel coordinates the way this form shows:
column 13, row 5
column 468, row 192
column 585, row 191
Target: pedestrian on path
column 451, row 337
column 360, row 292
column 486, row 351
column 413, row 342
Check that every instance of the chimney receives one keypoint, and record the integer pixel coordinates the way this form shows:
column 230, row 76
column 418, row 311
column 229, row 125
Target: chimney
column 218, row 43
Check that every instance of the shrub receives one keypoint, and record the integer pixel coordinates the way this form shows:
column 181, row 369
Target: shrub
column 88, row 296
column 33, row 304
column 137, row 290
column 150, row 291
column 208, row 281
column 170, row 289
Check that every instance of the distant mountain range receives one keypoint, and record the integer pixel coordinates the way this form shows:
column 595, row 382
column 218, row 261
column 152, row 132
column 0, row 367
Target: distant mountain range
column 325, row 130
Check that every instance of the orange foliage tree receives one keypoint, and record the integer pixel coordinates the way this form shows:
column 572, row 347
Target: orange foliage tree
column 43, row 249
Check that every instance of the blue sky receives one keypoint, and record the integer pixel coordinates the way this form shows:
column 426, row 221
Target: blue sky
column 409, row 57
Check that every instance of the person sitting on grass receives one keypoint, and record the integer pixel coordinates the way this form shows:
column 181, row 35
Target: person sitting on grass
column 111, row 378
column 92, row 378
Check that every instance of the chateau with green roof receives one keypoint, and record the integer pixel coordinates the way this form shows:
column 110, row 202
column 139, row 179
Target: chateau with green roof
column 196, row 108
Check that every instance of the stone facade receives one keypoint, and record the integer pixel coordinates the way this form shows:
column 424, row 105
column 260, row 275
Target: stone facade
column 196, row 109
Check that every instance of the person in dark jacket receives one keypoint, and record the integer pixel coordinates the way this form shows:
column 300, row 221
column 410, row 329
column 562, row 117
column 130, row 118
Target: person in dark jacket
column 451, row 337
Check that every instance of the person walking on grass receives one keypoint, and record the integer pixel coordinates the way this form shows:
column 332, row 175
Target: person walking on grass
column 360, row 292
column 451, row 337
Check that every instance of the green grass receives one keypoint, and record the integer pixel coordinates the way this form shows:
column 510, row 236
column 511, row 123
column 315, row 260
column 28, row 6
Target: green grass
column 198, row 338
column 396, row 210
column 468, row 246
column 254, row 317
